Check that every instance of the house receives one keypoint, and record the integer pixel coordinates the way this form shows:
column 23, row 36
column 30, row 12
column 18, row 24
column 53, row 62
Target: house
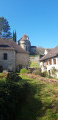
column 12, row 55
column 50, row 61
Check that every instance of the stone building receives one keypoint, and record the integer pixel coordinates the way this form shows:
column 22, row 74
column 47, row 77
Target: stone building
column 26, row 44
column 12, row 55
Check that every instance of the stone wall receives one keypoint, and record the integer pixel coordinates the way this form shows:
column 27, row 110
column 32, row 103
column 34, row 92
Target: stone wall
column 34, row 59
column 13, row 60
column 8, row 64
column 23, row 59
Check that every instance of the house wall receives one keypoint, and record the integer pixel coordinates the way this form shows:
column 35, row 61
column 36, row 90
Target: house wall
column 49, row 67
column 45, row 52
column 25, row 44
column 8, row 64
column 23, row 59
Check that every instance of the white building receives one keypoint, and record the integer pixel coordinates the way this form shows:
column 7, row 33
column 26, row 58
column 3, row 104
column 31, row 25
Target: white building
column 50, row 61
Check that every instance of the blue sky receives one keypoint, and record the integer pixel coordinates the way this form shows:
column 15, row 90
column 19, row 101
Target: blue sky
column 36, row 18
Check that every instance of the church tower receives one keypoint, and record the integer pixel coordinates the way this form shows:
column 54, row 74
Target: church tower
column 25, row 43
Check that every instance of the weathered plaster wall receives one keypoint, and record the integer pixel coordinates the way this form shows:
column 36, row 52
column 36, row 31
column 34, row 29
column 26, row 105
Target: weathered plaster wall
column 8, row 64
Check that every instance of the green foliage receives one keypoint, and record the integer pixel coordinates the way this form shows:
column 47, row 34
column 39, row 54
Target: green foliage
column 41, row 102
column 14, row 36
column 24, row 70
column 54, row 72
column 12, row 93
column 34, row 64
column 44, row 74
column 37, row 71
column 34, row 55
column 3, row 75
column 13, row 77
column 4, row 28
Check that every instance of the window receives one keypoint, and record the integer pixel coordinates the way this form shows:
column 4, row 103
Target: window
column 50, row 62
column 46, row 62
column 54, row 61
column 5, row 56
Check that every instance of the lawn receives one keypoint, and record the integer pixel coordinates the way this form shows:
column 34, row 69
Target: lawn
column 41, row 102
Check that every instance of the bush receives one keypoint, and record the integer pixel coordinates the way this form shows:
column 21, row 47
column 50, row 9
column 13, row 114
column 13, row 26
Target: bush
column 13, row 77
column 54, row 71
column 44, row 74
column 19, row 68
column 5, row 73
column 37, row 71
column 24, row 70
column 12, row 94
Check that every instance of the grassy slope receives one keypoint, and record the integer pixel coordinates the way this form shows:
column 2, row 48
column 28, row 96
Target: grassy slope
column 41, row 103
column 34, row 64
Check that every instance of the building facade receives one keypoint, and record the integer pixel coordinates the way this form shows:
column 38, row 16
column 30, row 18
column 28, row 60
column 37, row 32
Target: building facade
column 50, row 62
column 12, row 55
column 26, row 44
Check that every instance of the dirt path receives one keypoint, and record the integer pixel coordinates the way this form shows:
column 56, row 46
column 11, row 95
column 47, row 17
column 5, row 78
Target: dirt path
column 48, row 80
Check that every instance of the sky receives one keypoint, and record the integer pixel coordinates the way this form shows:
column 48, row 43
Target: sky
column 36, row 18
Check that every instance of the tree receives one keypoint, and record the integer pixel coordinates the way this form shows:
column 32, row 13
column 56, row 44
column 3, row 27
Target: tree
column 40, row 50
column 4, row 28
column 14, row 36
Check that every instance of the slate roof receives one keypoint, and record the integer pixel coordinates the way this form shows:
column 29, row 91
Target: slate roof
column 7, row 43
column 52, row 53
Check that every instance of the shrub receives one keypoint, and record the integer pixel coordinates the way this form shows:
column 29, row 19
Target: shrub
column 5, row 73
column 12, row 94
column 44, row 74
column 13, row 77
column 53, row 70
column 31, row 69
column 24, row 70
column 19, row 68
column 37, row 71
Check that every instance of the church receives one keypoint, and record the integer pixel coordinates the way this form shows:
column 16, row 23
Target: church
column 26, row 44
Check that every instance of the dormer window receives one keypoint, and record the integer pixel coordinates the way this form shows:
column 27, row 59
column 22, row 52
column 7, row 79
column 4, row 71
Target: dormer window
column 5, row 56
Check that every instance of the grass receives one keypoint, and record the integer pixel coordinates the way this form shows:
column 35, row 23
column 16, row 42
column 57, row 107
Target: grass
column 34, row 55
column 41, row 103
column 34, row 64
